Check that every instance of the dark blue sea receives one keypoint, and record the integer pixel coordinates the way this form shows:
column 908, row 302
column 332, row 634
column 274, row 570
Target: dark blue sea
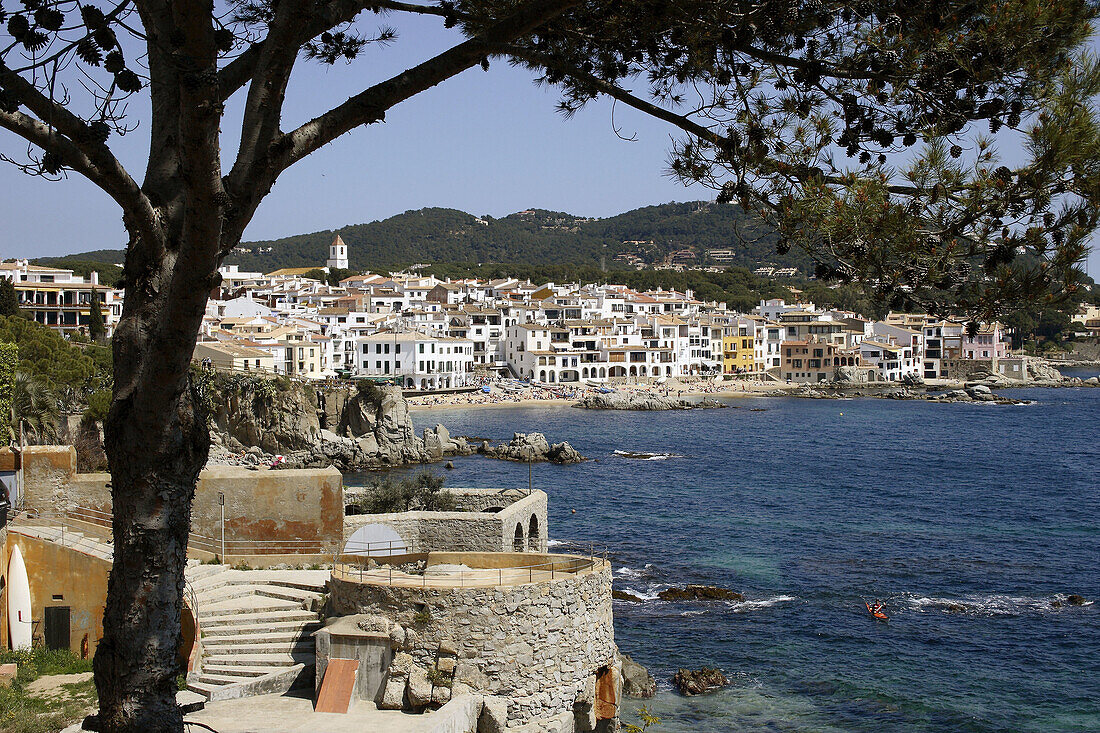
column 972, row 522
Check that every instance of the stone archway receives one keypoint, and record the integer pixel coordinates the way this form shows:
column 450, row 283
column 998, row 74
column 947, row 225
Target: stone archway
column 542, row 375
column 519, row 542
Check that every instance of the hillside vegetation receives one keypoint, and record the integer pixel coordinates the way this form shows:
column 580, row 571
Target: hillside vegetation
column 534, row 237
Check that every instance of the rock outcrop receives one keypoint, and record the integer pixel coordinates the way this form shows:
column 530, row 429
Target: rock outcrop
column 699, row 593
column 637, row 681
column 699, row 681
column 641, row 401
column 350, row 428
column 1042, row 371
column 531, row 447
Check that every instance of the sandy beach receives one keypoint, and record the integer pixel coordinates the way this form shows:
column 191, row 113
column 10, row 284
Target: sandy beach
column 543, row 397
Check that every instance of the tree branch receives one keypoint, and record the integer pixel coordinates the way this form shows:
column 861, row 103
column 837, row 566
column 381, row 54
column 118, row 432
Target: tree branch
column 371, row 104
column 78, row 150
column 234, row 75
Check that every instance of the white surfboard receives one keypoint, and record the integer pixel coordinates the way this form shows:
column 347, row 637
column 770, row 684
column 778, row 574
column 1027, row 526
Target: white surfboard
column 19, row 601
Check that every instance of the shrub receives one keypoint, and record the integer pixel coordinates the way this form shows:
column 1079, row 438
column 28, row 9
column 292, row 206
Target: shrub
column 424, row 491
column 99, row 402
column 439, row 678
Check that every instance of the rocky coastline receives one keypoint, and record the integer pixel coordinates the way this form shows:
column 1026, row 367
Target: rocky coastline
column 351, row 428
column 642, row 401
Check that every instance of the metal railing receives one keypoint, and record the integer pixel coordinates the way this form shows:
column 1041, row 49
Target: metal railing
column 84, row 531
column 97, row 527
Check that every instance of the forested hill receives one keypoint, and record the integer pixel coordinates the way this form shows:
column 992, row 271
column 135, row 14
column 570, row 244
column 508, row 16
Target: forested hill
column 530, row 237
column 534, row 237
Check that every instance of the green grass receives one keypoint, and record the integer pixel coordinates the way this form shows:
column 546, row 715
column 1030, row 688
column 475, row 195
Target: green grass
column 21, row 712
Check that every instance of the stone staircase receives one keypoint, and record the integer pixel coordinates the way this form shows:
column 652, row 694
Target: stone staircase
column 256, row 629
column 66, row 537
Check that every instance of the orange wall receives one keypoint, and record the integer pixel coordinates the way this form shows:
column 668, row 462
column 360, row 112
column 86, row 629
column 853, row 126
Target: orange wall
column 80, row 580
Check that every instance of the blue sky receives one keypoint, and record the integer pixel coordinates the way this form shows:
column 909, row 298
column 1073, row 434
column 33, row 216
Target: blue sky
column 484, row 142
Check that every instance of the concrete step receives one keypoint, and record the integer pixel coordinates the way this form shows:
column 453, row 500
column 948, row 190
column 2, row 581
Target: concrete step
column 305, row 626
column 230, row 591
column 245, row 605
column 237, row 619
column 295, row 646
column 223, row 679
column 229, row 670
column 203, row 688
column 195, row 573
column 263, row 637
column 298, row 675
column 275, row 659
column 310, row 586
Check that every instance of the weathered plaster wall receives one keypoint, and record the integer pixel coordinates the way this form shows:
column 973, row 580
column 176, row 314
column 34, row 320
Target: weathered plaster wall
column 539, row 645
column 467, row 531
column 54, row 570
column 47, row 472
column 271, row 506
column 300, row 506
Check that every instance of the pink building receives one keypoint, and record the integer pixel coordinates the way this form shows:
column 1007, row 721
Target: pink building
column 988, row 343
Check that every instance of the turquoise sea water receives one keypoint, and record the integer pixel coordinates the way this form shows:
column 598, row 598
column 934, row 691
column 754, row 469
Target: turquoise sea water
column 971, row 520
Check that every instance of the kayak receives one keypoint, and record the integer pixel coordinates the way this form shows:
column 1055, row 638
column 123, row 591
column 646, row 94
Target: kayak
column 877, row 614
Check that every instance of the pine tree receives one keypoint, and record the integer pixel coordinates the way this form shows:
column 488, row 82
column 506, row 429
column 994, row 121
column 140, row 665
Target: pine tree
column 96, row 328
column 9, row 299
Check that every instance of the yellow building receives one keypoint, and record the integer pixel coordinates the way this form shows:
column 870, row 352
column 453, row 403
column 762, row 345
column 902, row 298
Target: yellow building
column 738, row 355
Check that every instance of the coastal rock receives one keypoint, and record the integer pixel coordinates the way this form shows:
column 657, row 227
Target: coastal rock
column 564, row 453
column 699, row 593
column 393, row 694
column 637, row 681
column 1041, row 370
column 419, row 689
column 494, row 715
column 1076, row 600
column 348, row 427
column 849, row 375
column 532, row 447
column 699, row 681
column 622, row 595
column 641, row 401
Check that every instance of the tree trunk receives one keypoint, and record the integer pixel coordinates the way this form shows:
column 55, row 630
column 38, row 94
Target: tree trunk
column 157, row 441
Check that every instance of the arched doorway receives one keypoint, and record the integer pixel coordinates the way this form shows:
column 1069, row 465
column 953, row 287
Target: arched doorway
column 518, row 543
column 542, row 375
column 375, row 540
column 534, row 544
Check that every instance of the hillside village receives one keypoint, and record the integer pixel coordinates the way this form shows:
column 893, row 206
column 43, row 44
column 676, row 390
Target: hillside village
column 424, row 333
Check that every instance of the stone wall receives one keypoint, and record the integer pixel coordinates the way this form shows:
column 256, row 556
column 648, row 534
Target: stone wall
column 540, row 645
column 472, row 530
column 964, row 369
